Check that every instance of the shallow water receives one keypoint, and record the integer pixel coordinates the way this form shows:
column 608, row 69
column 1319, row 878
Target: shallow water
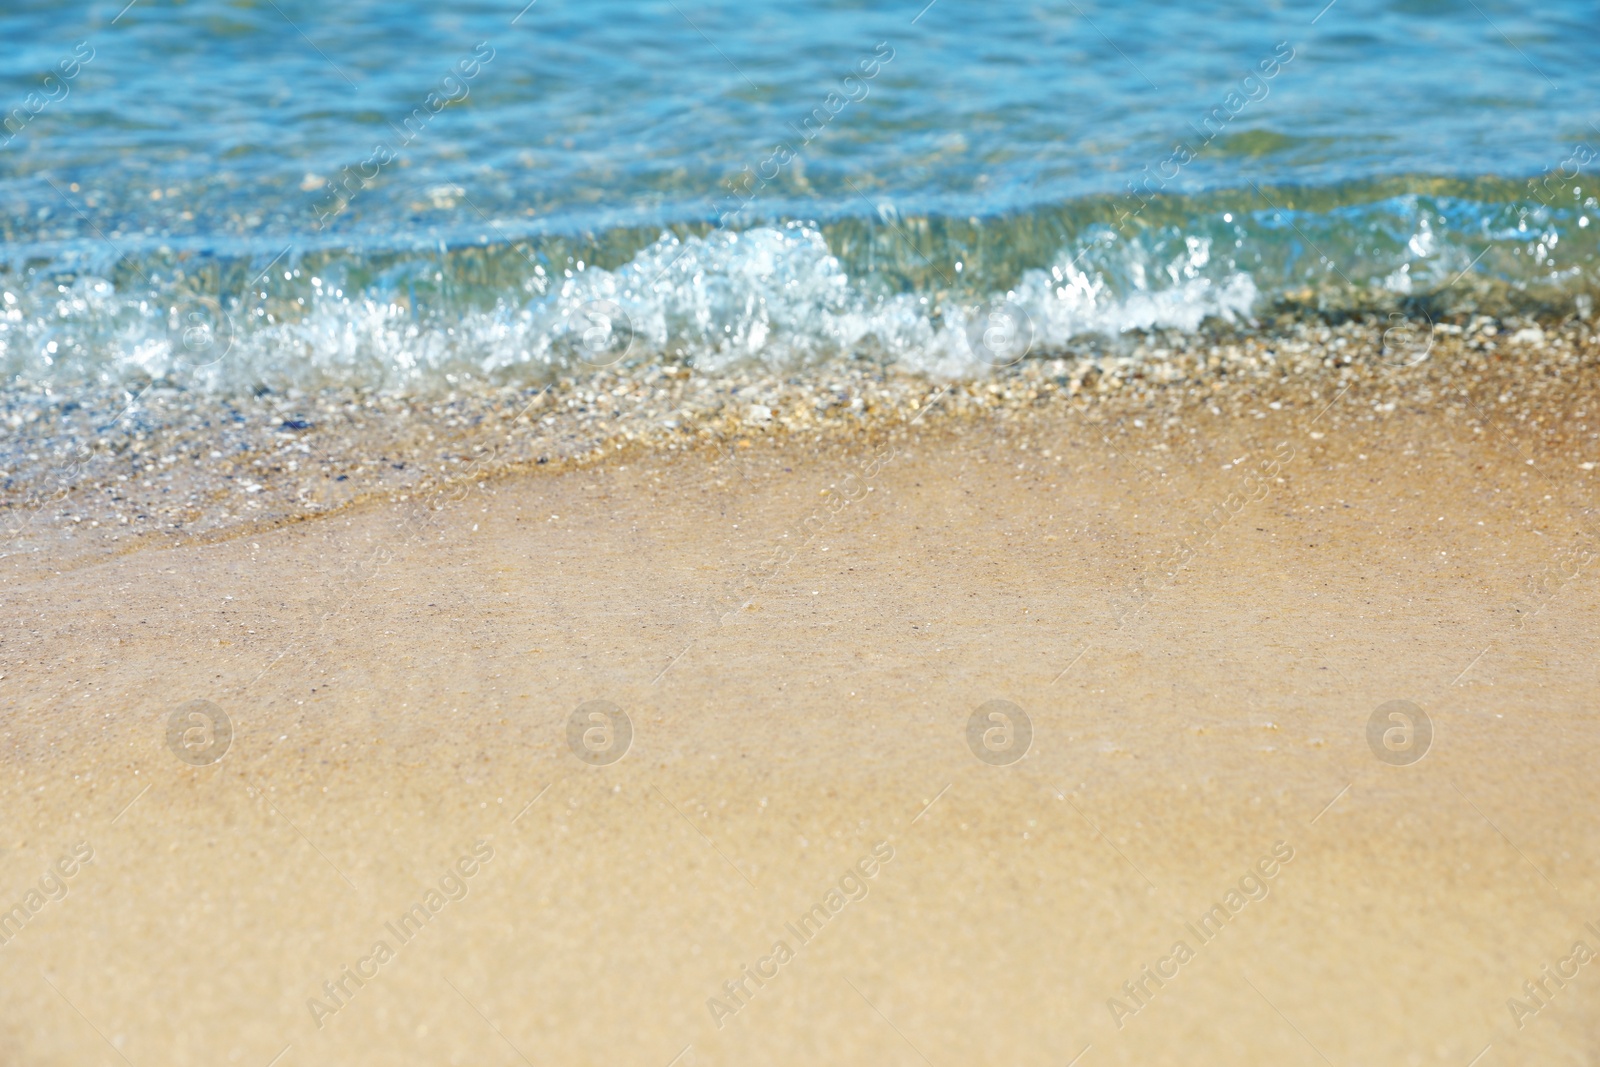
column 384, row 195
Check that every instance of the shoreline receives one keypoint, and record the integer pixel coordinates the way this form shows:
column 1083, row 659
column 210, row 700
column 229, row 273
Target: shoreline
column 1200, row 663
column 182, row 468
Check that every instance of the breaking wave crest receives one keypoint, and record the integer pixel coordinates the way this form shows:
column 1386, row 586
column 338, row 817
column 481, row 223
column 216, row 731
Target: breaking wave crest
column 946, row 297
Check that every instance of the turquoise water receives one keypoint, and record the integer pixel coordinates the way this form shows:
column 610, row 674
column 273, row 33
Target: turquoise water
column 254, row 193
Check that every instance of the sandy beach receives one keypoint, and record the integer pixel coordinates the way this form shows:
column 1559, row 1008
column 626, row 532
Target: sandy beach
column 399, row 846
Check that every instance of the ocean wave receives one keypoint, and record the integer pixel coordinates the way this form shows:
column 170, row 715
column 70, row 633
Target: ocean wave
column 945, row 297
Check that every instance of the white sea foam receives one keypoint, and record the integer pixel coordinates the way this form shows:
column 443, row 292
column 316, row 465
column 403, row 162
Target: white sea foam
column 774, row 297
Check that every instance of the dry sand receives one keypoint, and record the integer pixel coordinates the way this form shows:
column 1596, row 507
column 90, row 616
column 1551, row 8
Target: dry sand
column 1198, row 642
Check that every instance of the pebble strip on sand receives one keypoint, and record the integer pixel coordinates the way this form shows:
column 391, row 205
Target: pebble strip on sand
column 179, row 465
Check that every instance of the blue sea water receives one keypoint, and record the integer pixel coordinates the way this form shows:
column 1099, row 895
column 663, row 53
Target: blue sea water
column 270, row 192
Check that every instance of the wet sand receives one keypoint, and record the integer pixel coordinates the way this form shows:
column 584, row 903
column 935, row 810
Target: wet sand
column 1199, row 594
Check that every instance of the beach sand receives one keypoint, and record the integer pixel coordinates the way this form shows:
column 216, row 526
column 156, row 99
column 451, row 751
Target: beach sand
column 1198, row 592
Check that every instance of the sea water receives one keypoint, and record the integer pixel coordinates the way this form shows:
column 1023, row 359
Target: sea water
column 393, row 196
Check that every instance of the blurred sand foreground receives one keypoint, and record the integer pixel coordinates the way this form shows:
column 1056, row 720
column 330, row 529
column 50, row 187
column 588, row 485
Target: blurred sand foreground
column 418, row 848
